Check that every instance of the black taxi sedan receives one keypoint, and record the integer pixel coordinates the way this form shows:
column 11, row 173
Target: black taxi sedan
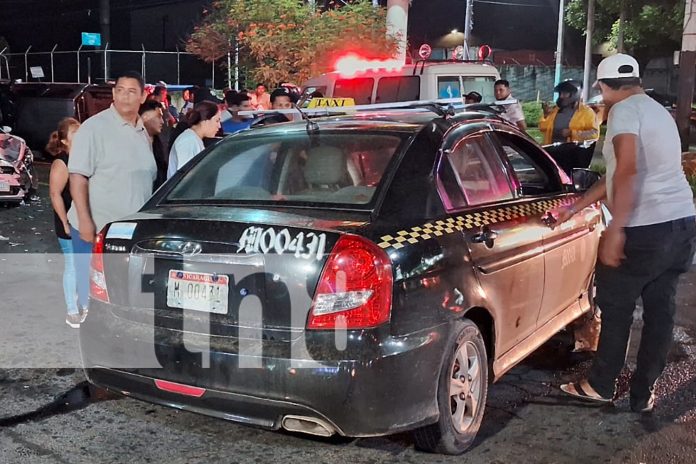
column 357, row 275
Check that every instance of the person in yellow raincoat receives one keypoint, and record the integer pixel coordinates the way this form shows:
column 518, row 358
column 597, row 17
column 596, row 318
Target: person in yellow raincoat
column 570, row 120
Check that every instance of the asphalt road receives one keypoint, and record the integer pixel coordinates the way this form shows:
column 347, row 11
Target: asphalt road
column 48, row 416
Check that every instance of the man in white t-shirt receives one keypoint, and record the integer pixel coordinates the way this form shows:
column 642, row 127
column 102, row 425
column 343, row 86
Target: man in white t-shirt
column 513, row 110
column 650, row 240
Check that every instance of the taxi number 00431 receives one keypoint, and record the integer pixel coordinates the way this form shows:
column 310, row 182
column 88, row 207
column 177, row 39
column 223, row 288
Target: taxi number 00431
column 267, row 240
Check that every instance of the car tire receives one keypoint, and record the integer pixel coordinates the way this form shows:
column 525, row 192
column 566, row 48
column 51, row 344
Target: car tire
column 460, row 414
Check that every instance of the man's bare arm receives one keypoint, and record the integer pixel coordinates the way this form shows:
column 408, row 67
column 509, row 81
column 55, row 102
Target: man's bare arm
column 598, row 192
column 623, row 193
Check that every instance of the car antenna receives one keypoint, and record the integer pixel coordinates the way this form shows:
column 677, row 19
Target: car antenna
column 311, row 125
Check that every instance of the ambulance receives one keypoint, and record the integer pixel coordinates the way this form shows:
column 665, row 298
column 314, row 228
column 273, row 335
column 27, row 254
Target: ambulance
column 386, row 81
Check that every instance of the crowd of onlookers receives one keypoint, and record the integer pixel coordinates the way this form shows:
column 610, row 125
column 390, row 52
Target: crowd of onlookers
column 106, row 168
column 178, row 135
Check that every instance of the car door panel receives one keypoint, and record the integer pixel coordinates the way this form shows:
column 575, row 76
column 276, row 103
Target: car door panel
column 511, row 272
column 570, row 249
column 570, row 252
column 504, row 238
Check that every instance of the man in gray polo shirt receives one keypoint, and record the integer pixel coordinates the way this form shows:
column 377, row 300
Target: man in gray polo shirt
column 111, row 171
column 650, row 240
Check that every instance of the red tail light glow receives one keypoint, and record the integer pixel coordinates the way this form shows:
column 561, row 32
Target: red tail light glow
column 355, row 287
column 97, row 280
column 351, row 64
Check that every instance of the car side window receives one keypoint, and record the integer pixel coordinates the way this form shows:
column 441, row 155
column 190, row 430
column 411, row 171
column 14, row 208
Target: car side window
column 480, row 84
column 398, row 89
column 448, row 87
column 478, row 169
column 359, row 89
column 532, row 168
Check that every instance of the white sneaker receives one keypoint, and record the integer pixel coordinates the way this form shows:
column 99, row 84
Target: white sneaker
column 73, row 320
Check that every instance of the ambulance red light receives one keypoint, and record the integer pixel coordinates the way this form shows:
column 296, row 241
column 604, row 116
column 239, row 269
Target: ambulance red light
column 352, row 64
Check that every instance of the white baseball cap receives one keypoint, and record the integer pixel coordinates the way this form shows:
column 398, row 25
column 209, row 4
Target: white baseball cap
column 618, row 66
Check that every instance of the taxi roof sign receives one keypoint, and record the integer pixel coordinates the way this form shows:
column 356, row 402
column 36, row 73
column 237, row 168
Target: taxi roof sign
column 331, row 102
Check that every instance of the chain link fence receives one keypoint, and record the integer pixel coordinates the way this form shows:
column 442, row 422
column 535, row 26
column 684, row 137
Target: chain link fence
column 89, row 65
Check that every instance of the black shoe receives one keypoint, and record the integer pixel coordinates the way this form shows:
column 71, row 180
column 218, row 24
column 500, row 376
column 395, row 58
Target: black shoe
column 643, row 407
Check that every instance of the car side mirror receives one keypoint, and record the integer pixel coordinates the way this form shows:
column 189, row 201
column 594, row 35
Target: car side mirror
column 584, row 179
column 6, row 129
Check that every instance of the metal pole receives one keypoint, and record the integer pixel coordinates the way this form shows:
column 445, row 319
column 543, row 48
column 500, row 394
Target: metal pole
column 467, row 26
column 89, row 69
column 106, row 61
column 52, row 52
column 236, row 66
column 8, row 66
column 687, row 69
column 105, row 20
column 142, row 64
column 212, row 83
column 397, row 25
column 588, row 50
column 229, row 69
column 26, row 64
column 559, row 43
column 78, row 63
column 178, row 66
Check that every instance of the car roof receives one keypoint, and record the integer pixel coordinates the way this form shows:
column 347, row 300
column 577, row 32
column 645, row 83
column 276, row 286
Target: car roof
column 385, row 120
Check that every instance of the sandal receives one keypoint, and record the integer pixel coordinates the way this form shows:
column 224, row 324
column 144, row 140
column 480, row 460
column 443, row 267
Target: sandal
column 584, row 391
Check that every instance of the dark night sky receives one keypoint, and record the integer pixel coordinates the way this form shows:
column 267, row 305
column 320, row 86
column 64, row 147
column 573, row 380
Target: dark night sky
column 43, row 23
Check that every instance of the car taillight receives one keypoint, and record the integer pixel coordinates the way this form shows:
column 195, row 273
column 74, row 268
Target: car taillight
column 355, row 288
column 97, row 280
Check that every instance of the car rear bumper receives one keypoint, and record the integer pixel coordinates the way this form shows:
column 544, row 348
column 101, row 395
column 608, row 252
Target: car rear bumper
column 384, row 385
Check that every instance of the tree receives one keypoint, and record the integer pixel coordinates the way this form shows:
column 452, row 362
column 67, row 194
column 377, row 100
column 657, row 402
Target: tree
column 651, row 28
column 288, row 40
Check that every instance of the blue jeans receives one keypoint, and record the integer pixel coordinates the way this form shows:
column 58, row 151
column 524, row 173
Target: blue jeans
column 69, row 280
column 83, row 255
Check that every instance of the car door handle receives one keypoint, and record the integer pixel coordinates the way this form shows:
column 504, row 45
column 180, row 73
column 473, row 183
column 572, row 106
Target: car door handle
column 549, row 220
column 486, row 235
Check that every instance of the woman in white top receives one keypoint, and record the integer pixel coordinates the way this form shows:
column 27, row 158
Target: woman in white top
column 204, row 122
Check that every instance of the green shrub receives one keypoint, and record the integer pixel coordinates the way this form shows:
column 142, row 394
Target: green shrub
column 599, row 168
column 532, row 113
column 536, row 135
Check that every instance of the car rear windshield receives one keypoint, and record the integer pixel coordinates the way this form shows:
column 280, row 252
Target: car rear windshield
column 325, row 167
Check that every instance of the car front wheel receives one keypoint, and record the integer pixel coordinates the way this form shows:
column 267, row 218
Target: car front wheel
column 462, row 393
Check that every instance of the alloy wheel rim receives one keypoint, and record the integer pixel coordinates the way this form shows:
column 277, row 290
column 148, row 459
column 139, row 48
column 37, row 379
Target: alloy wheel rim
column 465, row 386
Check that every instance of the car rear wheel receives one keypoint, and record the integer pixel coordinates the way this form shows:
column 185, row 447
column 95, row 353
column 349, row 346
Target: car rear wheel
column 462, row 393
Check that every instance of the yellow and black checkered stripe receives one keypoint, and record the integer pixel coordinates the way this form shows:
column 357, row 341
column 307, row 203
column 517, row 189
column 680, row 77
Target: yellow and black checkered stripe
column 469, row 221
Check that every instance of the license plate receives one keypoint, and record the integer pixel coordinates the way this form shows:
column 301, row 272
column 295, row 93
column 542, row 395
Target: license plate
column 4, row 187
column 198, row 291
